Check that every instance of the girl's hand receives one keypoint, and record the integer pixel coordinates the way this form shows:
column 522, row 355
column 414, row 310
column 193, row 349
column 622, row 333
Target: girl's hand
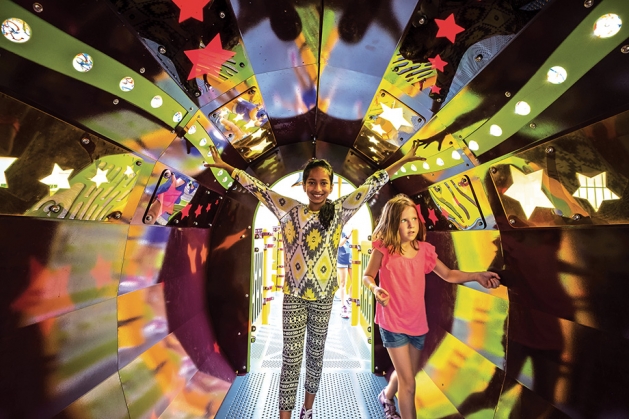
column 218, row 161
column 412, row 154
column 382, row 296
column 488, row 279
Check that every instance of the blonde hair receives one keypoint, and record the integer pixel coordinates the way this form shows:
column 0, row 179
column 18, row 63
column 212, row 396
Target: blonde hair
column 388, row 226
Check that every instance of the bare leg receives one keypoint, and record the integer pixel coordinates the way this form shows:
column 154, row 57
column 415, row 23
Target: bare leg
column 342, row 275
column 309, row 400
column 285, row 414
column 391, row 388
column 406, row 362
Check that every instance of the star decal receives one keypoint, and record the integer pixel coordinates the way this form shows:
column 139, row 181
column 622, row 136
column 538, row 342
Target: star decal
column 432, row 216
column 437, row 63
column 185, row 212
column 448, row 28
column 372, row 139
column 207, row 209
column 435, row 89
column 192, row 257
column 209, row 59
column 203, row 254
column 258, row 133
column 101, row 177
column 260, row 147
column 395, row 116
column 378, row 129
column 238, row 117
column 129, row 172
column 527, row 190
column 5, row 163
column 58, row 179
column 102, row 272
column 594, row 189
column 198, row 211
column 191, row 8
column 250, row 124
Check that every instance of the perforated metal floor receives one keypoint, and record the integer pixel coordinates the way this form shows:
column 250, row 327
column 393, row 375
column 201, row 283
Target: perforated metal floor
column 348, row 389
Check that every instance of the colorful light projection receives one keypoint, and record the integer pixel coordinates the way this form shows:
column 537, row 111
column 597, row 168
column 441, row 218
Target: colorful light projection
column 457, row 202
column 209, row 59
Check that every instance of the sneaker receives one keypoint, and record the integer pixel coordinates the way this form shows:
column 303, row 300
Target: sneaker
column 305, row 413
column 388, row 406
column 344, row 312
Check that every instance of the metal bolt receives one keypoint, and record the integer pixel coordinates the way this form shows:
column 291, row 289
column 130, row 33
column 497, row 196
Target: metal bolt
column 167, row 174
column 512, row 221
column 148, row 218
column 508, row 94
column 439, row 100
column 625, row 49
column 478, row 58
column 138, row 163
column 576, row 217
column 176, row 221
column 382, row 94
column 494, row 170
column 38, row 7
column 85, row 140
column 588, row 3
column 162, row 50
column 533, row 125
column 396, row 69
column 118, row 215
column 419, row 196
column 550, row 150
column 55, row 208
column 421, row 20
column 246, row 295
column 142, row 70
column 195, row 223
column 242, row 237
column 197, row 94
column 116, row 101
column 222, row 15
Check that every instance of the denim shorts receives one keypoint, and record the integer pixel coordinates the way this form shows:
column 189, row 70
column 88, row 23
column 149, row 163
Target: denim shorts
column 395, row 340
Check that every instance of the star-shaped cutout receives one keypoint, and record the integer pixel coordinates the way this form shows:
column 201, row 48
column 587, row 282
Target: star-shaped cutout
column 129, row 172
column 435, row 89
column 432, row 216
column 102, row 272
column 258, row 133
column 372, row 139
column 527, row 190
column 192, row 257
column 238, row 117
column 100, row 177
column 378, row 129
column 448, row 28
column 259, row 148
column 594, row 189
column 437, row 63
column 209, row 59
column 191, row 8
column 250, row 124
column 58, row 179
column 207, row 209
column 185, row 212
column 5, row 163
column 203, row 254
column 395, row 116
column 198, row 211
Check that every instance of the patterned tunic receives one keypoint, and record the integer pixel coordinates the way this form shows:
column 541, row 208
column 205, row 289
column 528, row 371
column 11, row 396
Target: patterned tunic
column 310, row 251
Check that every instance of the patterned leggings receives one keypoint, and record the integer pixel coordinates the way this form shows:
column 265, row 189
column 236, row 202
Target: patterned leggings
column 299, row 315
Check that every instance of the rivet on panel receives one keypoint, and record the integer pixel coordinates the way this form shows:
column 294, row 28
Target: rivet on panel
column 116, row 101
column 148, row 218
column 142, row 70
column 85, row 140
column 576, row 217
column 512, row 221
column 533, row 125
column 625, row 49
column 222, row 15
column 588, row 3
column 508, row 94
column 38, row 7
column 138, row 163
column 478, row 58
column 550, row 150
column 494, row 170
column 55, row 208
column 162, row 50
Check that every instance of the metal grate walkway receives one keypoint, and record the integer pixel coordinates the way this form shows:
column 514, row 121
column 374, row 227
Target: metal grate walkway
column 348, row 389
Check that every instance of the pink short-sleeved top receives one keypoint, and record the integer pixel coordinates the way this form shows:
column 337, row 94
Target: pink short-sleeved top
column 405, row 281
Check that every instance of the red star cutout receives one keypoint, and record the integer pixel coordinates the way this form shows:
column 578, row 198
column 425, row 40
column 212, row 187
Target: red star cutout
column 448, row 28
column 191, row 8
column 431, row 216
column 198, row 211
column 419, row 212
column 207, row 209
column 435, row 89
column 101, row 272
column 185, row 212
column 438, row 63
column 217, row 349
column 203, row 254
column 209, row 59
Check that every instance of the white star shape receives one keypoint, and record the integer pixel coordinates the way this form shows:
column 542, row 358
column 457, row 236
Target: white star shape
column 250, row 124
column 258, row 133
column 100, row 177
column 372, row 139
column 58, row 179
column 5, row 163
column 129, row 172
column 527, row 190
column 395, row 116
column 260, row 147
column 378, row 129
column 238, row 117
column 594, row 189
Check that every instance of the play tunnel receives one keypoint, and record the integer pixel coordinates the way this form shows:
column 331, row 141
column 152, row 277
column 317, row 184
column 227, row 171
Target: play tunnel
column 130, row 274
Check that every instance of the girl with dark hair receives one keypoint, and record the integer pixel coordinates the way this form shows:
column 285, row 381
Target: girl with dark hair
column 311, row 234
column 402, row 258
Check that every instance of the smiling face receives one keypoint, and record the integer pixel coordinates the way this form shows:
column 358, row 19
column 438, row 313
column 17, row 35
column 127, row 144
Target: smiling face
column 317, row 186
column 409, row 225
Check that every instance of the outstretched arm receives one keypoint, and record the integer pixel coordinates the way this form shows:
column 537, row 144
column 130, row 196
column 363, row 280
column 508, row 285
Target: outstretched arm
column 486, row 279
column 218, row 161
column 408, row 157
